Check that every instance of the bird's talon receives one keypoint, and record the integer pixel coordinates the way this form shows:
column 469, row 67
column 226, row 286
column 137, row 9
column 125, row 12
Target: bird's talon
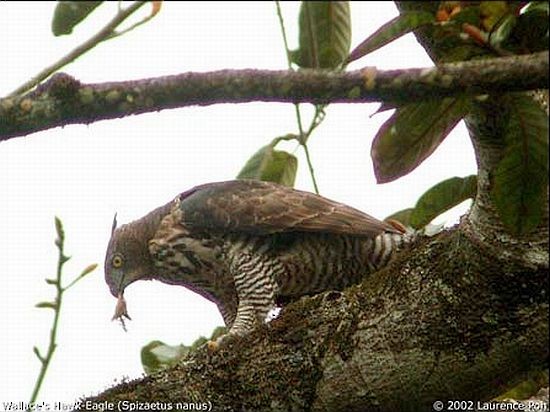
column 212, row 346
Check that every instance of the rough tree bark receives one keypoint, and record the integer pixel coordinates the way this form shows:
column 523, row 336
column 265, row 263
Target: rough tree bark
column 462, row 315
column 449, row 319
column 63, row 100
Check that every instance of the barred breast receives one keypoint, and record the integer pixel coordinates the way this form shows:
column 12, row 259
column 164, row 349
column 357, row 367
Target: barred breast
column 290, row 265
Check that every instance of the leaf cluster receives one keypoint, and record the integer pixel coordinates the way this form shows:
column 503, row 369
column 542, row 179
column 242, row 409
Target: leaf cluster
column 464, row 31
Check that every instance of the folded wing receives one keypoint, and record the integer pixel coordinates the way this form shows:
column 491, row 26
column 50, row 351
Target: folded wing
column 264, row 208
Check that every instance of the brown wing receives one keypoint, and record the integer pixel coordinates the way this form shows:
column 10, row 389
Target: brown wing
column 264, row 208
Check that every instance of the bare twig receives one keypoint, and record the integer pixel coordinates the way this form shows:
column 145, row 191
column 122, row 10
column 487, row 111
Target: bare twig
column 56, row 307
column 108, row 31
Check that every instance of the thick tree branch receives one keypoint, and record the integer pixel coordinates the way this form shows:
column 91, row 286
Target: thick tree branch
column 448, row 320
column 487, row 123
column 63, row 100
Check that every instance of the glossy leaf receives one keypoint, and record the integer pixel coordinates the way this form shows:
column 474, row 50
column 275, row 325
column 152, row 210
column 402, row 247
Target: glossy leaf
column 520, row 180
column 271, row 165
column 325, row 34
column 531, row 31
column 384, row 106
column 442, row 197
column 537, row 6
column 157, row 355
column 502, row 31
column 411, row 135
column 68, row 14
column 402, row 216
column 399, row 26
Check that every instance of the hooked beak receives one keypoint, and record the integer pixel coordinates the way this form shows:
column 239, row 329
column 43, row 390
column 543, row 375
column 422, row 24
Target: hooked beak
column 117, row 280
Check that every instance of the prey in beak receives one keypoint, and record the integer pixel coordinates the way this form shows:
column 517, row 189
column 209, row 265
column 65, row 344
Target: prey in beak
column 121, row 312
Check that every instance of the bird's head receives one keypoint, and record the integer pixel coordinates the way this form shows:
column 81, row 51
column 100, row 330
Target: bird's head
column 128, row 258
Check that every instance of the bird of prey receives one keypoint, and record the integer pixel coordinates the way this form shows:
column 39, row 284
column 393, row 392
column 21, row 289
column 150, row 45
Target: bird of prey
column 248, row 246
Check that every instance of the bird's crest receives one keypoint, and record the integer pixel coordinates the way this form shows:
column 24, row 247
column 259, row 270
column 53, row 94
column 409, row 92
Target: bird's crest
column 114, row 225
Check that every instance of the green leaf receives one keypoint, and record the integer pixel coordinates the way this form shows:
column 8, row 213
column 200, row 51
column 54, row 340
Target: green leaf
column 47, row 305
column 502, row 31
column 399, row 26
column 60, row 232
column 531, row 31
column 411, row 135
column 325, row 34
column 537, row 6
column 157, row 355
column 384, row 106
column 519, row 183
column 37, row 353
column 271, row 165
column 88, row 269
column 68, row 14
column 441, row 197
column 51, row 281
column 403, row 216
column 492, row 13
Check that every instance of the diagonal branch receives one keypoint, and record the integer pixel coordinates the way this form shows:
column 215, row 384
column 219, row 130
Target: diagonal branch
column 64, row 100
column 444, row 321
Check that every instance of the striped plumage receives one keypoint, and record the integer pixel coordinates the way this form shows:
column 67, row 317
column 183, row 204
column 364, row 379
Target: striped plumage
column 249, row 246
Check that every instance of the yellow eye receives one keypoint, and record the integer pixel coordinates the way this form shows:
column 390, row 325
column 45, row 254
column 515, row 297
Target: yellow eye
column 117, row 261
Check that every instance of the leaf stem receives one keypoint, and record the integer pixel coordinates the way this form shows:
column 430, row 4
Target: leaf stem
column 303, row 137
column 283, row 32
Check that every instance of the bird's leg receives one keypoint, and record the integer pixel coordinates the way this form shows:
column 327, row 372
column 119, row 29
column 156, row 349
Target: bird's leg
column 255, row 287
column 255, row 290
column 228, row 312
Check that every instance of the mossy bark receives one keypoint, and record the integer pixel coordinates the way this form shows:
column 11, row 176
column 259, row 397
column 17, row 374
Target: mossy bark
column 462, row 315
column 448, row 319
